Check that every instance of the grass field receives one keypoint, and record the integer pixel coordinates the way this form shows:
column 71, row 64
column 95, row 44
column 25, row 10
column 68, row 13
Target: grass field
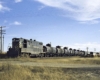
column 12, row 72
column 66, row 60
column 16, row 72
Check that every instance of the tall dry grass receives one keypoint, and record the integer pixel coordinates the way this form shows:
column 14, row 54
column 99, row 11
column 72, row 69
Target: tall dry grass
column 66, row 60
column 12, row 72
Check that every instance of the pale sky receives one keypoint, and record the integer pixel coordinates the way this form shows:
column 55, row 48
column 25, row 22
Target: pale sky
column 71, row 23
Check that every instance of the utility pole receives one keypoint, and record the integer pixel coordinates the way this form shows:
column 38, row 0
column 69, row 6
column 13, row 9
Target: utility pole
column 1, row 33
column 3, row 44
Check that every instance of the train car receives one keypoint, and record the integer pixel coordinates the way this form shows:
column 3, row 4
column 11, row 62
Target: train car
column 70, row 51
column 21, row 46
column 49, row 50
column 66, row 51
column 76, row 52
column 59, row 51
column 80, row 53
column 96, row 54
column 89, row 54
column 73, row 52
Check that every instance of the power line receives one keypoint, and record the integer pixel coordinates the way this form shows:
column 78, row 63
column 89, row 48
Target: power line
column 2, row 37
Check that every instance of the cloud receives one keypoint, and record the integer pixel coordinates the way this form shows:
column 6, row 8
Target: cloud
column 41, row 7
column 83, row 46
column 3, row 8
column 17, row 1
column 16, row 23
column 90, row 22
column 80, row 10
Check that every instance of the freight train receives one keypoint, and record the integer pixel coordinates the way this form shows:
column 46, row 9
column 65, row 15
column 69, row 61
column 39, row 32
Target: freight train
column 25, row 47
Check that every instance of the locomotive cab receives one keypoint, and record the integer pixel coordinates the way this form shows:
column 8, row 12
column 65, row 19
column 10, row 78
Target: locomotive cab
column 15, row 42
column 15, row 50
column 19, row 43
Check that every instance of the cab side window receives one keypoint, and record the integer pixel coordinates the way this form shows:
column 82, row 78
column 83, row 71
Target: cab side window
column 25, row 43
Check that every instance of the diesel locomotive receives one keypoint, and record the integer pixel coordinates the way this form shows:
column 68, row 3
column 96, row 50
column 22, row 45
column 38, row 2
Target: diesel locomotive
column 23, row 47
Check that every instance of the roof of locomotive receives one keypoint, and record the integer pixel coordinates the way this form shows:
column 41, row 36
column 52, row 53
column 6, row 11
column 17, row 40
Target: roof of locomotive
column 27, row 39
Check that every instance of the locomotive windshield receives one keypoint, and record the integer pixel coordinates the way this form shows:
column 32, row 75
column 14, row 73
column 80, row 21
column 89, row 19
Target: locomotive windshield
column 15, row 42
